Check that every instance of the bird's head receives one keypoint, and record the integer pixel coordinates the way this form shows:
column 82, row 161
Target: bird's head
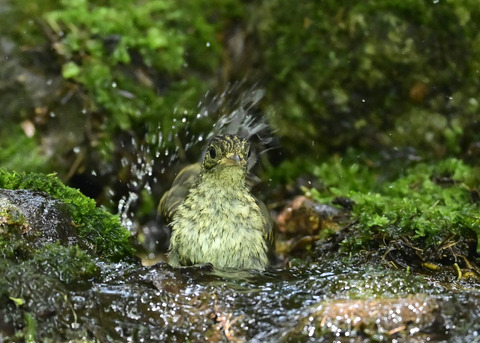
column 226, row 151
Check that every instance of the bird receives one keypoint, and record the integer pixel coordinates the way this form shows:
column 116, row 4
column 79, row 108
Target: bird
column 213, row 216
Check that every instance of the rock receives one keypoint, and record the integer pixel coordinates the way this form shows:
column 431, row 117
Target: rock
column 39, row 218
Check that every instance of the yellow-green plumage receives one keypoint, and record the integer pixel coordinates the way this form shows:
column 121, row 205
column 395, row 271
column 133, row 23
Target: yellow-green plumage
column 213, row 215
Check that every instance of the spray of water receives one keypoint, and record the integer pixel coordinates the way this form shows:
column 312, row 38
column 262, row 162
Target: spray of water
column 234, row 111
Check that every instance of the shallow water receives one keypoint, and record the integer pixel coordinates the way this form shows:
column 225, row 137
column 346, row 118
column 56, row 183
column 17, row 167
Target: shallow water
column 322, row 302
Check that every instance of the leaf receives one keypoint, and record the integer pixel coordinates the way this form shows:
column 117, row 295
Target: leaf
column 17, row 301
column 70, row 70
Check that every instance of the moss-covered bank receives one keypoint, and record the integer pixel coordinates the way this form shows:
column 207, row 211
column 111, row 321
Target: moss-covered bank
column 424, row 217
column 52, row 241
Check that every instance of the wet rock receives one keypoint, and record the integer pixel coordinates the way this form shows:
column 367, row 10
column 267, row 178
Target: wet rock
column 405, row 318
column 39, row 218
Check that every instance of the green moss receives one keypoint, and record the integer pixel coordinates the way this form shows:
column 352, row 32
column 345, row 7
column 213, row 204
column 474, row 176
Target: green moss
column 30, row 328
column 137, row 60
column 12, row 224
column 427, row 202
column 98, row 228
column 369, row 74
column 67, row 264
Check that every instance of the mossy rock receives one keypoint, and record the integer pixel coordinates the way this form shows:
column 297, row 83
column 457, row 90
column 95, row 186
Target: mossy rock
column 427, row 215
column 51, row 212
column 53, row 241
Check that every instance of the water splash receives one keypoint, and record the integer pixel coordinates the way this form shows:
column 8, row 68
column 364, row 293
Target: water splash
column 141, row 172
column 238, row 112
column 235, row 110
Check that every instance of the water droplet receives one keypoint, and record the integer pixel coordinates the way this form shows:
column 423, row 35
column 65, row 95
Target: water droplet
column 114, row 85
column 208, row 44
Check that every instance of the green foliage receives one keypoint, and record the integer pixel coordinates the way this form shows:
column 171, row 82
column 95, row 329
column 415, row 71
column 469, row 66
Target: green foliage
column 30, row 328
column 341, row 178
column 19, row 152
column 428, row 202
column 135, row 58
column 98, row 46
column 288, row 170
column 369, row 74
column 98, row 228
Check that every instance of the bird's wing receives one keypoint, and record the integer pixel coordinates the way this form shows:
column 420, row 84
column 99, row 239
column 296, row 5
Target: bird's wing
column 179, row 190
column 268, row 232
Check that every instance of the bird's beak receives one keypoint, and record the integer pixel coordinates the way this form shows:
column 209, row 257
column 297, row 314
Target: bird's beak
column 233, row 160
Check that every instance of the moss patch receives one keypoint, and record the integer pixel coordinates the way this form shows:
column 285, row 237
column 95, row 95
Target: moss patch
column 430, row 211
column 96, row 227
column 369, row 74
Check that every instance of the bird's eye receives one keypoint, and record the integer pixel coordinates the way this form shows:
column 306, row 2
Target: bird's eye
column 212, row 152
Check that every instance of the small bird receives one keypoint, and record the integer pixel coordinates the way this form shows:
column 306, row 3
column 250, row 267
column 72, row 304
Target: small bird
column 212, row 213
